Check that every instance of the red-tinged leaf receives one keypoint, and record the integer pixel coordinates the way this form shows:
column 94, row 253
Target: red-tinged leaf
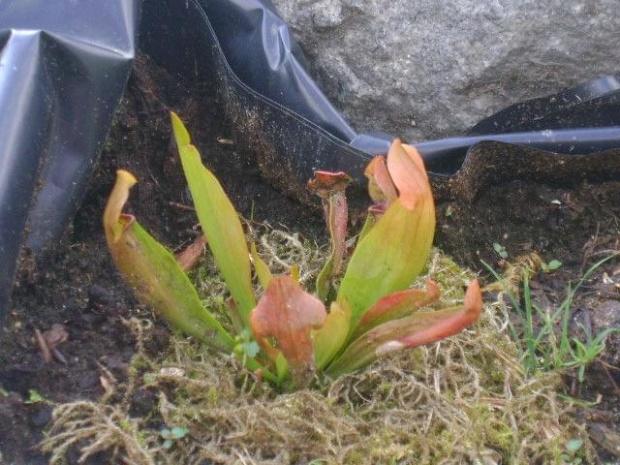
column 406, row 168
column 331, row 188
column 444, row 323
column 337, row 218
column 328, row 340
column 389, row 257
column 337, row 221
column 394, row 251
column 380, row 186
column 325, row 183
column 395, row 306
column 415, row 156
column 412, row 331
column 152, row 271
column 288, row 314
column 192, row 253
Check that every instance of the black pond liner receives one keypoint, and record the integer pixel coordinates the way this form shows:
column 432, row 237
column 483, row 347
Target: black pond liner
column 63, row 68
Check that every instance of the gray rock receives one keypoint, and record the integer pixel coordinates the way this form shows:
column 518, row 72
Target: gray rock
column 427, row 68
column 606, row 315
column 326, row 14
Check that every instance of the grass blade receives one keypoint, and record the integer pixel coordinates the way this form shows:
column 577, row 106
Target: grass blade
column 220, row 222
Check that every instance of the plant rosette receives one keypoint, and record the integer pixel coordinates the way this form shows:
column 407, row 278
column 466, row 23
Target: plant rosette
column 286, row 334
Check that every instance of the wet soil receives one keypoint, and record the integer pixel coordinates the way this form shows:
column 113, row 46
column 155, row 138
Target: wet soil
column 76, row 284
column 578, row 226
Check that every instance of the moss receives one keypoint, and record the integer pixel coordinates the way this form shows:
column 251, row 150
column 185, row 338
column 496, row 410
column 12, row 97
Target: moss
column 463, row 400
column 212, row 397
column 125, row 425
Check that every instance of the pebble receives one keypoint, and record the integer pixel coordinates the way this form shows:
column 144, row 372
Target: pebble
column 99, row 296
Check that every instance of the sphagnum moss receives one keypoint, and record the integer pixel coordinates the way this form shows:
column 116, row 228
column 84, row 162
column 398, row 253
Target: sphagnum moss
column 463, row 400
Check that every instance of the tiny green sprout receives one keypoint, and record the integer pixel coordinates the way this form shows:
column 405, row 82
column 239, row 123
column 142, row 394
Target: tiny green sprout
column 583, row 354
column 173, row 434
column 125, row 425
column 536, row 329
column 449, row 211
column 34, row 397
column 551, row 266
column 574, row 445
column 360, row 311
column 250, row 348
column 568, row 460
column 500, row 250
column 246, row 346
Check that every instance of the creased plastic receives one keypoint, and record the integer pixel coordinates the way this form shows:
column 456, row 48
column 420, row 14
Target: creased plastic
column 64, row 65
column 63, row 69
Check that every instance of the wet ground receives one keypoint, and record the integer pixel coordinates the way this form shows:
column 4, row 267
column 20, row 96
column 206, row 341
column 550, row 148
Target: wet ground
column 76, row 285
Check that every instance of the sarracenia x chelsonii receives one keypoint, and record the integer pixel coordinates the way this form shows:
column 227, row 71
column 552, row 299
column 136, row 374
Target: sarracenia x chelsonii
column 287, row 334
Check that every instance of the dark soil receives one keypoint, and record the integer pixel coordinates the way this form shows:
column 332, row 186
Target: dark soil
column 76, row 284
column 577, row 226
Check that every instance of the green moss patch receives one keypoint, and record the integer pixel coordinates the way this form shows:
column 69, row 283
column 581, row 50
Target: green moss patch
column 462, row 400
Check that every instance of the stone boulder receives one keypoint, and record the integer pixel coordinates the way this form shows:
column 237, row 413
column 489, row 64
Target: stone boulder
column 426, row 69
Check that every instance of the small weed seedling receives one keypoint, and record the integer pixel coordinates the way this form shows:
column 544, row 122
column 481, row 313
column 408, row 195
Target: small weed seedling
column 500, row 250
column 287, row 334
column 34, row 397
column 173, row 434
column 583, row 354
column 544, row 348
column 572, row 449
column 551, row 266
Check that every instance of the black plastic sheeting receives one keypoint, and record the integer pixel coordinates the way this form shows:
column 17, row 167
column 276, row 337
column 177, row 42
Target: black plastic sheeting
column 289, row 143
column 581, row 120
column 278, row 111
column 63, row 69
column 64, row 65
